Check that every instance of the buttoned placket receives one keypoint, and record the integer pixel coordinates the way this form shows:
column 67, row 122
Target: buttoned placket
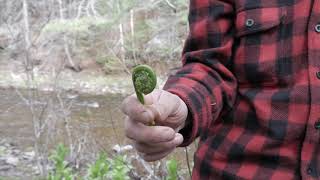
column 311, row 143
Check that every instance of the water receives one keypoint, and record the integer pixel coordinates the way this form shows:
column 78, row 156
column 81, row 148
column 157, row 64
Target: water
column 100, row 114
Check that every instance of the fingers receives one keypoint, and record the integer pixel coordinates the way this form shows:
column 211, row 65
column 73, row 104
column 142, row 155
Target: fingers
column 148, row 134
column 158, row 147
column 156, row 156
column 136, row 111
column 162, row 107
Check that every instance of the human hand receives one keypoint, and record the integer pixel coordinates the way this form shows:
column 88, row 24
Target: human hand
column 167, row 111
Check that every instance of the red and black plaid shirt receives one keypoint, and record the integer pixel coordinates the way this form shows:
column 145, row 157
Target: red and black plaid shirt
column 251, row 81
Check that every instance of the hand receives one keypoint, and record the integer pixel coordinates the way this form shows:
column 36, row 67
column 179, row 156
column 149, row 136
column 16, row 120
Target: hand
column 167, row 111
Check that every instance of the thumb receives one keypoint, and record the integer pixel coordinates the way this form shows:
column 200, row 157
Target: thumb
column 164, row 104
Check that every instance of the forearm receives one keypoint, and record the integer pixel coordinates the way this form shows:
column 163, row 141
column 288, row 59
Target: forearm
column 205, row 82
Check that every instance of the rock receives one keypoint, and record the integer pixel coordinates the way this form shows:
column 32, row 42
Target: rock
column 12, row 160
column 5, row 168
column 36, row 170
column 118, row 149
column 93, row 105
column 28, row 149
column 28, row 155
column 31, row 153
column 89, row 104
column 72, row 96
column 16, row 151
column 7, row 145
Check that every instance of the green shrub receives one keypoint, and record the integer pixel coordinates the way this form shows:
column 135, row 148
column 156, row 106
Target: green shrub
column 172, row 168
column 61, row 170
column 103, row 168
column 99, row 169
column 119, row 168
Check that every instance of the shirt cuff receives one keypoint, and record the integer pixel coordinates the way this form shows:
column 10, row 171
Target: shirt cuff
column 199, row 109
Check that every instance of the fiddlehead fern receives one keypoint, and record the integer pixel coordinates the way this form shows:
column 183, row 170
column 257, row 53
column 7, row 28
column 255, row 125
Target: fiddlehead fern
column 144, row 81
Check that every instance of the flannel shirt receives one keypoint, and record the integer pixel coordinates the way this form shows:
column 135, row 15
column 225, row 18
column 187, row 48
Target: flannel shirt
column 251, row 81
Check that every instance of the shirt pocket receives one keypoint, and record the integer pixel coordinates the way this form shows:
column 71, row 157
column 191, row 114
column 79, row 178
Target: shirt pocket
column 258, row 20
column 258, row 46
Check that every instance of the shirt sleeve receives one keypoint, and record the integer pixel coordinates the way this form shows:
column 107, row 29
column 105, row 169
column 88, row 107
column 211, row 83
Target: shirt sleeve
column 205, row 82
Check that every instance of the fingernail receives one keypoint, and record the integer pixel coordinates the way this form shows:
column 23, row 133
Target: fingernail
column 178, row 138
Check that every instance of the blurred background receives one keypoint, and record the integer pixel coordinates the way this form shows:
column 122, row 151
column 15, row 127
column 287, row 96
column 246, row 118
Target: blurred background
column 65, row 67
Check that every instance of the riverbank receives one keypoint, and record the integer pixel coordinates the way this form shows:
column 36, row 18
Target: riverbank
column 82, row 83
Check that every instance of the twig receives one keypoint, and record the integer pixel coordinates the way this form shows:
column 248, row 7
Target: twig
column 113, row 127
column 88, row 9
column 188, row 163
column 121, row 33
column 171, row 5
column 120, row 60
column 80, row 9
column 26, row 24
column 26, row 35
column 132, row 36
column 93, row 9
column 66, row 124
column 147, row 167
column 65, row 44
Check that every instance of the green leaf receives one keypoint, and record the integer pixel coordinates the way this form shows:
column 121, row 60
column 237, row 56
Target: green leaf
column 172, row 168
column 61, row 171
column 99, row 169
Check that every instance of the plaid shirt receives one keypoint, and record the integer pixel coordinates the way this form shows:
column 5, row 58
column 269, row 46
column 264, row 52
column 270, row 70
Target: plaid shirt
column 251, row 81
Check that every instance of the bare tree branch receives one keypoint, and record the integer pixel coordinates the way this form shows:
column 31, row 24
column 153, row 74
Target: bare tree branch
column 173, row 7
column 65, row 44
column 93, row 9
column 26, row 32
column 80, row 9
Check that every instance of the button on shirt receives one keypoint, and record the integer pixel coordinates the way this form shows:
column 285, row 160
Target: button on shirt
column 317, row 28
column 250, row 79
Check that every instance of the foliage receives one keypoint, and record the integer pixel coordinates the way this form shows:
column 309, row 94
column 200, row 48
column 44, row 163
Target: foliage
column 99, row 169
column 61, row 170
column 119, row 168
column 172, row 168
column 103, row 168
